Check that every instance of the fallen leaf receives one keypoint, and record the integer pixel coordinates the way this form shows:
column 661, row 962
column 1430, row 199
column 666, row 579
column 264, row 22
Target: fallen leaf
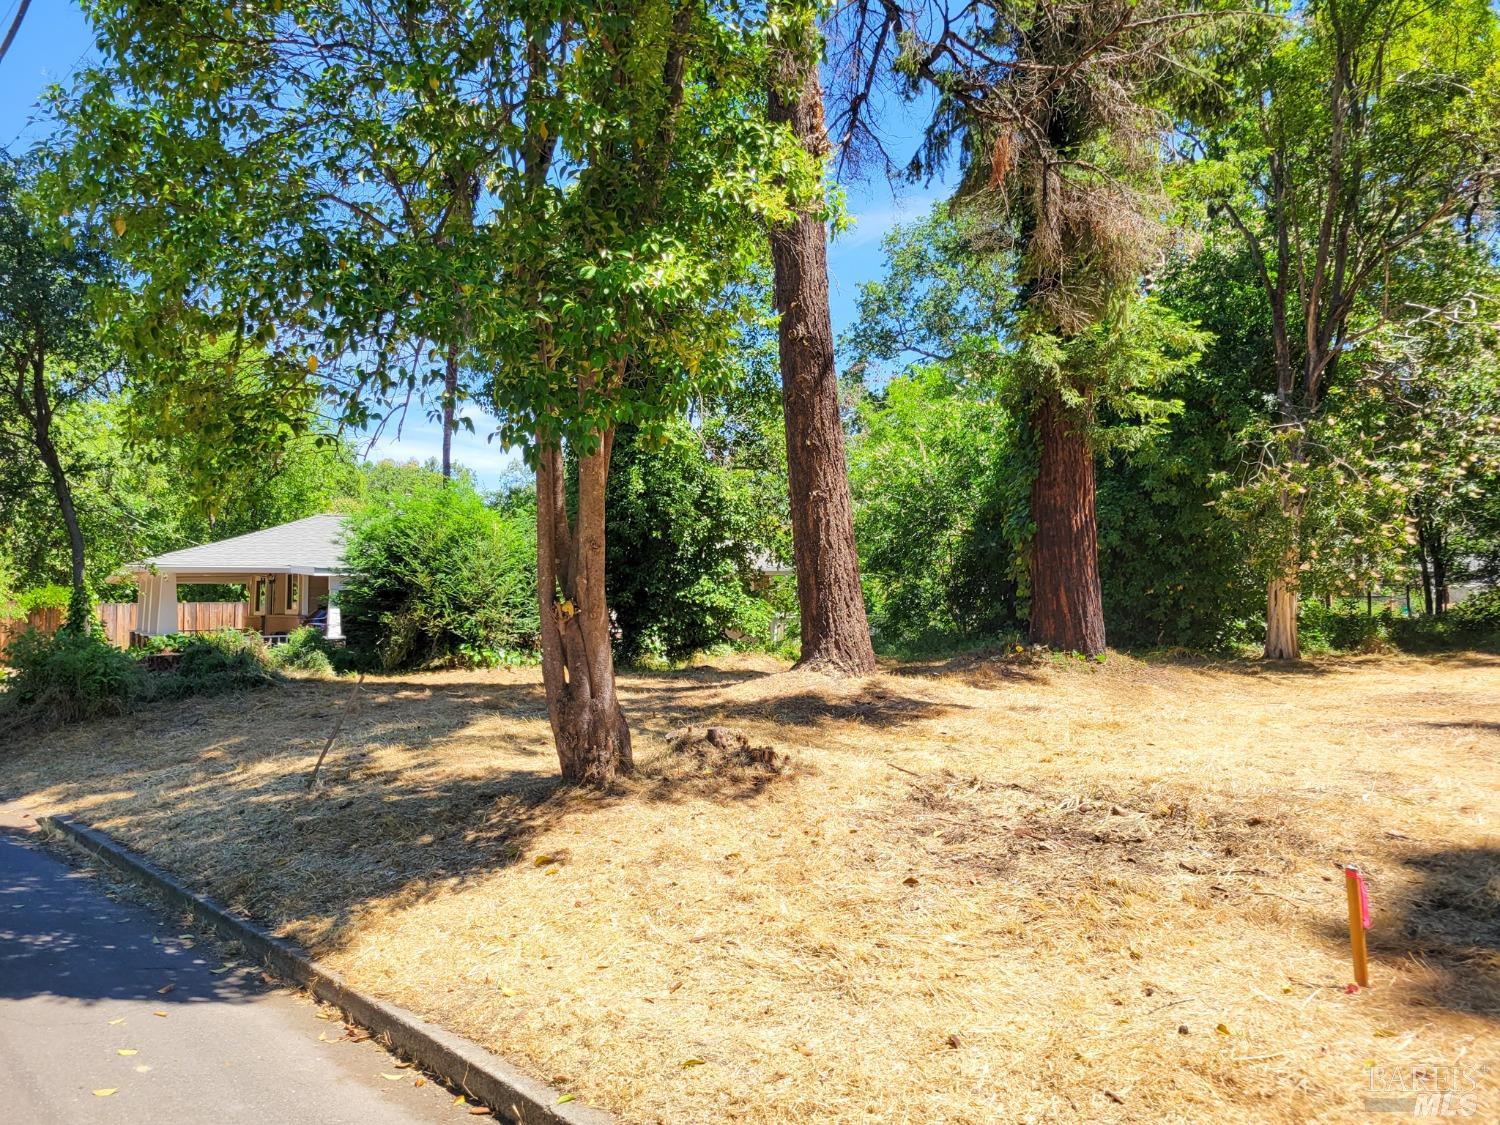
column 692, row 1062
column 163, row 1015
column 1383, row 1033
column 479, row 1111
column 112, row 1023
column 911, row 880
column 106, row 1092
column 127, row 1051
column 142, row 1069
column 401, row 1064
column 460, row 1100
column 221, row 969
column 164, row 989
column 542, row 861
column 507, row 992
column 1222, row 1030
column 391, row 1077
column 324, row 1016
column 419, row 1081
column 564, row 1098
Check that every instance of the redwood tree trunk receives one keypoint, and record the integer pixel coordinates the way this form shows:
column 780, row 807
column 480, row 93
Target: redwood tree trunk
column 578, row 667
column 835, row 632
column 1067, row 604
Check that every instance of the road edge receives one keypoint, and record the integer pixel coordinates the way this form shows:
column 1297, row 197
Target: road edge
column 482, row 1076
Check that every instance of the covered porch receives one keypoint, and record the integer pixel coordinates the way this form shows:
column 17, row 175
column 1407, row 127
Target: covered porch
column 291, row 575
column 277, row 603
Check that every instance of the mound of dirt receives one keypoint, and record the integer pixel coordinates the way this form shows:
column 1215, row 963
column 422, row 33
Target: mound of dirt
column 719, row 747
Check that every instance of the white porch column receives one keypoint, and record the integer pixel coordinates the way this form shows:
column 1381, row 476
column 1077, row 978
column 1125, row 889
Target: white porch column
column 335, row 630
column 156, row 608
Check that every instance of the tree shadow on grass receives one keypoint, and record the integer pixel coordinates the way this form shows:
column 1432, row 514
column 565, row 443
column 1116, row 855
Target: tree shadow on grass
column 1451, row 919
column 1447, row 920
column 431, row 785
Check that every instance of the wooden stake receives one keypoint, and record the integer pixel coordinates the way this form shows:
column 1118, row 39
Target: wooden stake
column 1359, row 922
column 312, row 782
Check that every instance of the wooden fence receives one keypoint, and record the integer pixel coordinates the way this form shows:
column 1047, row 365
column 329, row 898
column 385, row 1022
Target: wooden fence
column 119, row 620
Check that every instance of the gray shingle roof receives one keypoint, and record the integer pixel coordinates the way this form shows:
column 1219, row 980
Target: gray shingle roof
column 308, row 546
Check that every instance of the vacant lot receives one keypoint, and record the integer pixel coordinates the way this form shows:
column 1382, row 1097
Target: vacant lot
column 987, row 890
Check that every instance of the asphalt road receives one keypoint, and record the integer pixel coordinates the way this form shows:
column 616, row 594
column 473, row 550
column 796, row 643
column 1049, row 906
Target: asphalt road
column 99, row 992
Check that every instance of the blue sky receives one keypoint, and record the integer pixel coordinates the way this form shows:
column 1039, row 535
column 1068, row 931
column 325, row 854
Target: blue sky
column 55, row 40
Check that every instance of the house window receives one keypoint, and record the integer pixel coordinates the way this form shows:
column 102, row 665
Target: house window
column 293, row 592
column 262, row 595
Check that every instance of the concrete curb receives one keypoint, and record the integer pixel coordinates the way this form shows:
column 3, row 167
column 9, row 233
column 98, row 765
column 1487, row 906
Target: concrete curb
column 482, row 1076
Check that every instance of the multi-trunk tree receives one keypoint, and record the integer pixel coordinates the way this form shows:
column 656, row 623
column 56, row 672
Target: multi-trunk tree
column 563, row 194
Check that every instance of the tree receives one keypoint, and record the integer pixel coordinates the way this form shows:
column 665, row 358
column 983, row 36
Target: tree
column 50, row 354
column 623, row 182
column 1057, row 109
column 945, row 461
column 1365, row 127
column 835, row 633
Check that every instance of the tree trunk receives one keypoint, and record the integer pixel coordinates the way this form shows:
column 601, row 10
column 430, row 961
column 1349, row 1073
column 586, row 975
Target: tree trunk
column 1067, row 604
column 1281, row 620
column 835, row 632
column 1439, row 578
column 450, row 396
column 578, row 666
column 39, row 412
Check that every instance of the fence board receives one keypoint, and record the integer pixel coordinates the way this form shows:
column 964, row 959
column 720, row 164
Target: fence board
column 118, row 619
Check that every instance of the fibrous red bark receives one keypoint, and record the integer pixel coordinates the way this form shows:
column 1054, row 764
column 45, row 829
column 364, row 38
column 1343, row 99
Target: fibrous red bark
column 1067, row 603
column 835, row 631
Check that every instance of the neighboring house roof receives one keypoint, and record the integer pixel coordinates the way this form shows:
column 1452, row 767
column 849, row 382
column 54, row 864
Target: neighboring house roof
column 308, row 546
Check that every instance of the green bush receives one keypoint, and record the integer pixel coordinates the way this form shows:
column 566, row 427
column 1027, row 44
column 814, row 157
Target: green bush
column 941, row 532
column 1478, row 615
column 1342, row 629
column 214, row 663
column 67, row 677
column 306, row 650
column 438, row 578
column 45, row 597
column 680, row 535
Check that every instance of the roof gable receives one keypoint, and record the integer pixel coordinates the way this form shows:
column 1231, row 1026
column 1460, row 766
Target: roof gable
column 309, row 546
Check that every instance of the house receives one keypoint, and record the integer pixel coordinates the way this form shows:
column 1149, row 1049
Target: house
column 290, row 572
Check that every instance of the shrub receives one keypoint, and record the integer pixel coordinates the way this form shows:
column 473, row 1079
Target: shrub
column 438, row 578
column 213, row 663
column 679, row 538
column 1478, row 615
column 1343, row 630
column 66, row 678
column 10, row 601
column 45, row 597
column 306, row 650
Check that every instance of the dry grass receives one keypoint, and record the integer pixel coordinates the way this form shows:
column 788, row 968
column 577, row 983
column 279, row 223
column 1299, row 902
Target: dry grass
column 984, row 890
